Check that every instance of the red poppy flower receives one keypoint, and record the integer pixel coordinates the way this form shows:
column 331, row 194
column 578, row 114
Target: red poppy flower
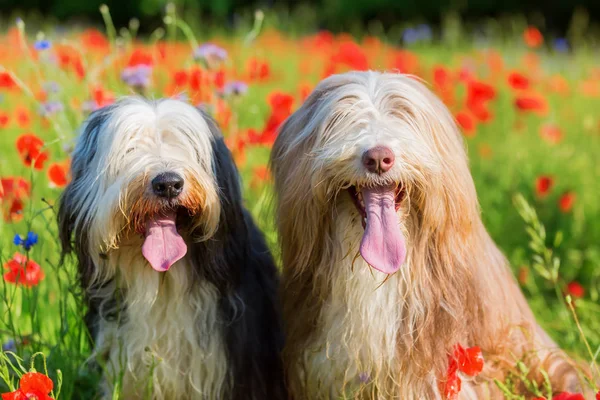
column 4, row 119
column 467, row 122
column 558, row 84
column 7, row 81
column 479, row 91
column 495, row 61
column 281, row 108
column 568, row 396
column 32, row 385
column 140, row 57
column 70, row 59
column 442, row 76
column 543, row 185
column 93, row 38
column 453, row 382
column 478, row 95
column 551, row 133
column 196, row 78
column 533, row 37
column 443, row 82
column 58, row 174
column 470, row 360
column 518, row 81
column 590, row 88
column 219, row 80
column 237, row 146
column 180, row 79
column 566, row 202
column 405, row 62
column 258, row 70
column 598, row 395
column 260, row 176
column 351, row 55
column 281, row 102
column 575, row 289
column 23, row 117
column 12, row 193
column 222, row 113
column 480, row 110
column 22, row 271
column 30, row 147
column 532, row 102
column 14, row 188
column 305, row 90
column 102, row 97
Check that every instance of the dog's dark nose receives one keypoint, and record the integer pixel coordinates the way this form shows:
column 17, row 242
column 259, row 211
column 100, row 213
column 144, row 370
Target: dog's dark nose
column 167, row 184
column 379, row 159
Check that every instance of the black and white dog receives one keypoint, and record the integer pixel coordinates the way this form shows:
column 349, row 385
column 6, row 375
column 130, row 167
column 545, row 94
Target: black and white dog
column 180, row 285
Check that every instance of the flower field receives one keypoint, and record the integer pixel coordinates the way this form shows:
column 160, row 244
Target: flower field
column 528, row 107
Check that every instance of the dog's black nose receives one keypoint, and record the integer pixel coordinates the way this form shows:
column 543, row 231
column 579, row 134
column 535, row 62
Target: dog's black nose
column 167, row 184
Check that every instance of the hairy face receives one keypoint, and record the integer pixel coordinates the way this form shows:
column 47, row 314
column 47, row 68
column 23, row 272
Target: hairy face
column 381, row 149
column 145, row 169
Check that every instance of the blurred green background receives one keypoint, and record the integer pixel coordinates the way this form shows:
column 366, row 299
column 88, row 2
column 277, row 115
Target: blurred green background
column 336, row 15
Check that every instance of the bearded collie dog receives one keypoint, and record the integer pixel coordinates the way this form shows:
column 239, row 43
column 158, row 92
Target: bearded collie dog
column 180, row 286
column 386, row 262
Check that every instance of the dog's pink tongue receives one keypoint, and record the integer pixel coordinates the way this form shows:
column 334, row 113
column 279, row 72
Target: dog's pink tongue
column 163, row 246
column 383, row 245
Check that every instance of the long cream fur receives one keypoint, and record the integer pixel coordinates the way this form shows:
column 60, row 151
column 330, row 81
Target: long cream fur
column 166, row 339
column 353, row 332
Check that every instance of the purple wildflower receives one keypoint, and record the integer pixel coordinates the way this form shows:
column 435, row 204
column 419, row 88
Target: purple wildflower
column 51, row 107
column 235, row 88
column 51, row 87
column 363, row 377
column 89, row 106
column 137, row 76
column 210, row 53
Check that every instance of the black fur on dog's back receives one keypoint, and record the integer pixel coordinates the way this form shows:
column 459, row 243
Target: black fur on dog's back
column 243, row 270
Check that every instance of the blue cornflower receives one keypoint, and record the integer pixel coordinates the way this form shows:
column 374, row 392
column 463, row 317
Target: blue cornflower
column 30, row 240
column 410, row 35
column 420, row 33
column 42, row 45
column 11, row 345
column 561, row 45
column 425, row 32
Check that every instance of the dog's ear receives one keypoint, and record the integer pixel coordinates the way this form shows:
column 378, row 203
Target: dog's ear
column 216, row 257
column 228, row 181
column 74, row 236
column 83, row 154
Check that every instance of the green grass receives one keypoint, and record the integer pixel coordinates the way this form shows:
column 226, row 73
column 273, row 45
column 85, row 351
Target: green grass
column 48, row 318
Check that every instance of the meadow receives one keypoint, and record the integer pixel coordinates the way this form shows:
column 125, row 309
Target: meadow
column 528, row 106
